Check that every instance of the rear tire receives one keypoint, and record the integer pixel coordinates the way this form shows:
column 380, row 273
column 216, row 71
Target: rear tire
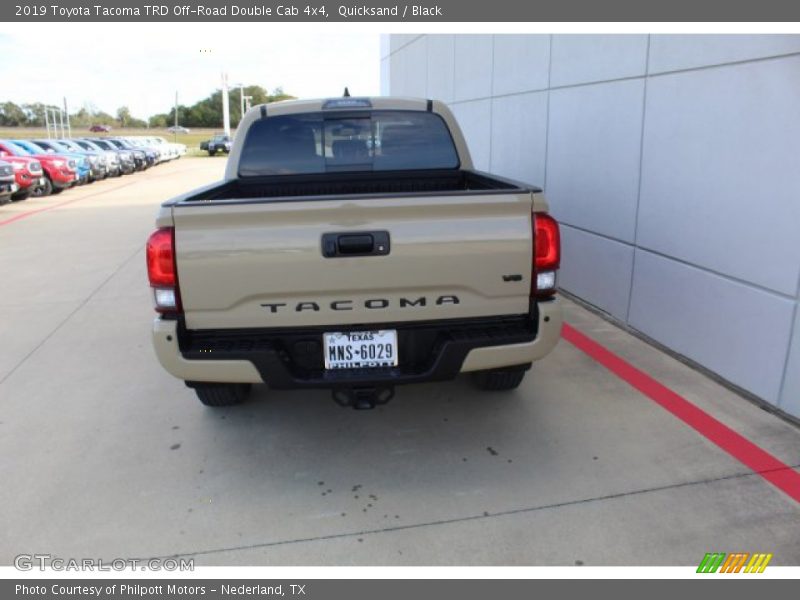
column 497, row 380
column 20, row 196
column 221, row 394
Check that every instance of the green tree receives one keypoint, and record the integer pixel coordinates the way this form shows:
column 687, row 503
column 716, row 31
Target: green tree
column 158, row 121
column 80, row 118
column 208, row 111
column 12, row 115
column 123, row 116
column 35, row 114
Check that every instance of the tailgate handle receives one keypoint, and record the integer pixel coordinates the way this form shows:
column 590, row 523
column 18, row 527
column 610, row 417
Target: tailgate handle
column 362, row 243
column 355, row 244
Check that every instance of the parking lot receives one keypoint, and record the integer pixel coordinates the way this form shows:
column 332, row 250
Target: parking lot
column 104, row 454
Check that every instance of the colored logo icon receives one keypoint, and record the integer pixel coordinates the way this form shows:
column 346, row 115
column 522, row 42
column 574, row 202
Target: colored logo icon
column 737, row 562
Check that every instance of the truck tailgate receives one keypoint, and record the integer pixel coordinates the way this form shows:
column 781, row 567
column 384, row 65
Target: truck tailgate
column 244, row 265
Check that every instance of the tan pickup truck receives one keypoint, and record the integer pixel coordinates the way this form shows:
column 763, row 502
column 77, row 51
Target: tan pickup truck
column 352, row 246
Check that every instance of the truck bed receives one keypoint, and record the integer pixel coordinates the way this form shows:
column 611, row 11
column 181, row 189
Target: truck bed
column 329, row 186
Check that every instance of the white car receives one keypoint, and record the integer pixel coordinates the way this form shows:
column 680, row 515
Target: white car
column 140, row 142
column 170, row 150
column 177, row 150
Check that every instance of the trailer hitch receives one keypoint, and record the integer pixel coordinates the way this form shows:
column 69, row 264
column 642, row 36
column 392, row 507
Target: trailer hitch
column 362, row 398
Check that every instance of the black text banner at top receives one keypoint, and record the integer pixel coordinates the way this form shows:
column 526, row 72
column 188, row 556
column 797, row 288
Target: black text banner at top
column 441, row 11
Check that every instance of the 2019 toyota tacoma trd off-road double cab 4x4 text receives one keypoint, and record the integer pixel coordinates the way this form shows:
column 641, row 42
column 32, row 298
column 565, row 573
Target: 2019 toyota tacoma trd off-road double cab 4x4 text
column 352, row 246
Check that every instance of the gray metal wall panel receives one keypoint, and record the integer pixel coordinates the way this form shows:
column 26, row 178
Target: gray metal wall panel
column 718, row 185
column 598, row 268
column 586, row 58
column 386, row 83
column 521, row 63
column 475, row 120
column 720, row 175
column 473, row 70
column 790, row 397
column 398, row 64
column 441, row 52
column 415, row 71
column 519, row 132
column 593, row 156
column 736, row 330
column 398, row 40
column 678, row 52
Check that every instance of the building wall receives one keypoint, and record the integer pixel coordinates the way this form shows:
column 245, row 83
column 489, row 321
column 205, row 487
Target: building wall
column 673, row 164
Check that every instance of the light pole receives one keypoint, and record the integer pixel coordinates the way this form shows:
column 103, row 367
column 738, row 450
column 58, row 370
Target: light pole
column 175, row 132
column 54, row 115
column 69, row 127
column 226, row 110
column 241, row 103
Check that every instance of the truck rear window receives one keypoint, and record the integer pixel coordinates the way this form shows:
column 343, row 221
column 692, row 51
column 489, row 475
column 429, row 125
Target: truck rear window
column 326, row 142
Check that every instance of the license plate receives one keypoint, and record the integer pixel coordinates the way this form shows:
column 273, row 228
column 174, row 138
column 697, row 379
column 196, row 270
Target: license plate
column 360, row 349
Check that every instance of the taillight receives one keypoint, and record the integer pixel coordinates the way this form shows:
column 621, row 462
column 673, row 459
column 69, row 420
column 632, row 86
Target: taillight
column 161, row 270
column 546, row 255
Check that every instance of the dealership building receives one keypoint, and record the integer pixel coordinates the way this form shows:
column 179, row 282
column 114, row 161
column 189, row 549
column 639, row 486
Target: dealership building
column 673, row 165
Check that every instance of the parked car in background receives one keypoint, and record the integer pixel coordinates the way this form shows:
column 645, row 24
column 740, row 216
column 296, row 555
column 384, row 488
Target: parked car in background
column 8, row 185
column 60, row 172
column 127, row 164
column 100, row 128
column 162, row 146
column 178, row 129
column 170, row 149
column 28, row 176
column 97, row 165
column 219, row 143
column 140, row 159
column 149, row 149
column 81, row 162
column 113, row 168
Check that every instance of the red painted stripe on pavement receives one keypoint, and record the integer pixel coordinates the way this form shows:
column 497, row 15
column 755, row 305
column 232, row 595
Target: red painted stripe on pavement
column 776, row 472
column 29, row 213
column 36, row 211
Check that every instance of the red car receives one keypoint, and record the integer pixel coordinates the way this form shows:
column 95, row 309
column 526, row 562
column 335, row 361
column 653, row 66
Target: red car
column 60, row 172
column 100, row 128
column 28, row 175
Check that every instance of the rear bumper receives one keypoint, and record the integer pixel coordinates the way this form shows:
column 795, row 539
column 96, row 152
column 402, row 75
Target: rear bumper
column 289, row 359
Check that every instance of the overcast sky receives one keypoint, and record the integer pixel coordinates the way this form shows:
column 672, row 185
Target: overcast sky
column 143, row 65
